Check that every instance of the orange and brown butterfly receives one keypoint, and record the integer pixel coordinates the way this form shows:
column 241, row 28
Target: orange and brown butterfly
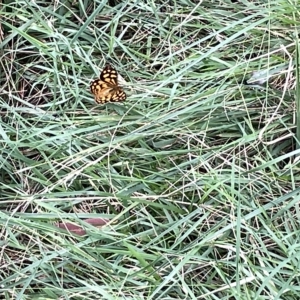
column 106, row 88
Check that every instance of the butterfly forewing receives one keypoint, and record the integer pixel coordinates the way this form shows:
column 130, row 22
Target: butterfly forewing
column 109, row 75
column 106, row 88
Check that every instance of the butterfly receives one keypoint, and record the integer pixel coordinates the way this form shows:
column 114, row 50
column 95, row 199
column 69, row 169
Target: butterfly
column 106, row 88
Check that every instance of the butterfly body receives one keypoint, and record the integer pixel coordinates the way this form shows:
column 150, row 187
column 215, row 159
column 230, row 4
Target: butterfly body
column 106, row 88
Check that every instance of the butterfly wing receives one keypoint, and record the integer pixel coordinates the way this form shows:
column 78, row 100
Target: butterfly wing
column 101, row 91
column 109, row 75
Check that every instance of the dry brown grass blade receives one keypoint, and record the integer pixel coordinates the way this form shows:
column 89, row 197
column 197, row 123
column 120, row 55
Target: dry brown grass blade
column 79, row 230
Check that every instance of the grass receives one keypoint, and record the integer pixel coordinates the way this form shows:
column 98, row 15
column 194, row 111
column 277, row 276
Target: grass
column 197, row 173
